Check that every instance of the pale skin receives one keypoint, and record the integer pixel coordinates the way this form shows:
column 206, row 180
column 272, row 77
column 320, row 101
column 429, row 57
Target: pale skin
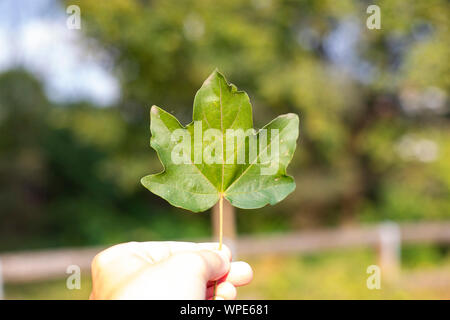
column 167, row 270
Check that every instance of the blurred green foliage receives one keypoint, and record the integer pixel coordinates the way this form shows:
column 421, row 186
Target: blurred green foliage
column 59, row 184
column 373, row 106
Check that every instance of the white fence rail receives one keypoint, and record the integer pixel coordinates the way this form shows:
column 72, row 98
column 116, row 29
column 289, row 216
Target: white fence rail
column 386, row 238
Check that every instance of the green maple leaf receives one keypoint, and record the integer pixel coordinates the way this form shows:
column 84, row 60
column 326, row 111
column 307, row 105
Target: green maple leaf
column 198, row 183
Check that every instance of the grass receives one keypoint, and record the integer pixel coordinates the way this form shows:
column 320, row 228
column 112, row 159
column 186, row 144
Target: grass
column 334, row 275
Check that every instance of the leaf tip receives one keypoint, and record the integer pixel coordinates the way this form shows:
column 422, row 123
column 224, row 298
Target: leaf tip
column 216, row 73
column 291, row 115
column 154, row 110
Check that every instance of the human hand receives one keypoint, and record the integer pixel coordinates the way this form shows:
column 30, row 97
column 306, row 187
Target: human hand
column 167, row 270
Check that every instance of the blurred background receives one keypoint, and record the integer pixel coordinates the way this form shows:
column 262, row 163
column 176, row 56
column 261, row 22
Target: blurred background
column 372, row 164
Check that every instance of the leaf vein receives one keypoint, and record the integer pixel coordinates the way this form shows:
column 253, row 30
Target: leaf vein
column 256, row 159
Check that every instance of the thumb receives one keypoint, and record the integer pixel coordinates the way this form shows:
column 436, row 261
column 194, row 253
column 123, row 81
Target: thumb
column 205, row 265
column 216, row 264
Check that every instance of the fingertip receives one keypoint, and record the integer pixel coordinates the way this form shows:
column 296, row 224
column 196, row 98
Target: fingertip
column 241, row 273
column 217, row 264
column 226, row 251
column 214, row 246
column 223, row 255
column 226, row 290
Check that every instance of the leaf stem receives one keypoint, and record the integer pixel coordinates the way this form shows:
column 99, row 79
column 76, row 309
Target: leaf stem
column 220, row 221
column 220, row 234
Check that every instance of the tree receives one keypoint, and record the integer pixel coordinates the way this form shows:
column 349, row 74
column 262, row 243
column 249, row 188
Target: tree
column 357, row 101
